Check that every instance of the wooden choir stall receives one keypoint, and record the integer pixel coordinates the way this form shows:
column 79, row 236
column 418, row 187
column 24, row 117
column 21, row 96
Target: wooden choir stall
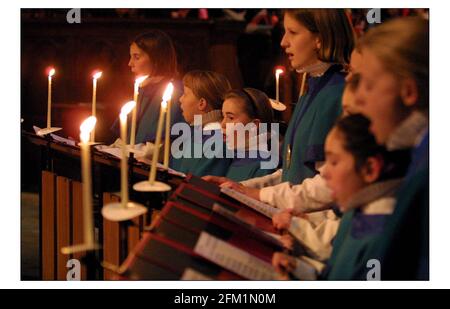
column 194, row 232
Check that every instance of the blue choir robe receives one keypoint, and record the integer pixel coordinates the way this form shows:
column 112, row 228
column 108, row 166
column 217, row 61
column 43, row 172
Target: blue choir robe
column 313, row 117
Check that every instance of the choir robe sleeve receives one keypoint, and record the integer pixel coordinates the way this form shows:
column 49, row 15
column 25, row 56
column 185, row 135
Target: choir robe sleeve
column 307, row 268
column 306, row 137
column 316, row 237
column 311, row 195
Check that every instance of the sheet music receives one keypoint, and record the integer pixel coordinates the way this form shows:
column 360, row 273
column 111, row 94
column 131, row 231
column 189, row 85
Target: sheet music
column 58, row 138
column 192, row 274
column 63, row 140
column 114, row 151
column 260, row 207
column 177, row 173
column 117, row 152
column 270, row 237
column 233, row 259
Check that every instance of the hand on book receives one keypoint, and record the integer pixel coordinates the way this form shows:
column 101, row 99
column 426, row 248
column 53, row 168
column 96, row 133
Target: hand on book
column 216, row 179
column 283, row 263
column 287, row 241
column 282, row 220
column 251, row 192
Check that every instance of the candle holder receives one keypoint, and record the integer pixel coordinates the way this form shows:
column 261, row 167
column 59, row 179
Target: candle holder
column 118, row 212
column 84, row 247
column 46, row 131
column 152, row 185
column 277, row 105
column 125, row 210
column 147, row 186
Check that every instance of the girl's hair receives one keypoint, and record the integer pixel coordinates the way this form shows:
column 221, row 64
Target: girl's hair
column 161, row 51
column 334, row 30
column 402, row 45
column 358, row 140
column 208, row 85
column 256, row 103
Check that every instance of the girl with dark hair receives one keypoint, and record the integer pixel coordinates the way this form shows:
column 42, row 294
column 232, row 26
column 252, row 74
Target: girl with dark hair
column 363, row 182
column 251, row 108
column 153, row 54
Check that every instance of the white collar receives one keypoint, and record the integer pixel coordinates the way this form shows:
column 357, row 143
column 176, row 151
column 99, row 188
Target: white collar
column 316, row 69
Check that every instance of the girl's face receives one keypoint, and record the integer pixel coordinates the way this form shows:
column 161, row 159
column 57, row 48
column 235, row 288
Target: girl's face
column 233, row 112
column 139, row 61
column 339, row 171
column 355, row 64
column 299, row 43
column 378, row 95
column 189, row 105
column 349, row 106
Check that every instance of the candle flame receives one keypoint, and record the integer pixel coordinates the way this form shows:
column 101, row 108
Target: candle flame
column 86, row 127
column 51, row 72
column 164, row 105
column 97, row 75
column 127, row 108
column 140, row 79
column 278, row 72
column 168, row 92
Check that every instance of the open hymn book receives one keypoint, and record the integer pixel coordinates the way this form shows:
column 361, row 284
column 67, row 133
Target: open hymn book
column 233, row 259
column 263, row 208
column 266, row 236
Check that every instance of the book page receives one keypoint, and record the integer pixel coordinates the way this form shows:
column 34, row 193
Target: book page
column 192, row 274
column 259, row 206
column 233, row 259
column 267, row 236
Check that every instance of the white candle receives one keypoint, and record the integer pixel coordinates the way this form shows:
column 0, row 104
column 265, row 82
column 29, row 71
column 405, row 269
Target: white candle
column 168, row 94
column 137, row 84
column 49, row 98
column 88, row 222
column 277, row 79
column 126, row 109
column 152, row 175
column 94, row 99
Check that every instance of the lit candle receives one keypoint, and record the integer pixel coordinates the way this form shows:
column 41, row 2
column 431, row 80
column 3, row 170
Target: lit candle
column 126, row 109
column 277, row 78
column 166, row 97
column 85, row 129
column 137, row 84
column 169, row 91
column 96, row 76
column 49, row 97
